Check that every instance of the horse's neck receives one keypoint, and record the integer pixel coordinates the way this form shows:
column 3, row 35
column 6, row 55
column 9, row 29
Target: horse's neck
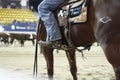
column 107, row 13
column 106, row 7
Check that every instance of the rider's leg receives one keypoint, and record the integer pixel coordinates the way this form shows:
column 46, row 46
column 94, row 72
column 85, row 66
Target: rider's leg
column 46, row 9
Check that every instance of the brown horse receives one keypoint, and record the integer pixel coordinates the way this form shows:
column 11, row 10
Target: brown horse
column 107, row 31
column 81, row 34
column 4, row 38
column 22, row 38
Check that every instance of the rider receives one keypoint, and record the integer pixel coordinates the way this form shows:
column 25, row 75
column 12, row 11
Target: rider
column 46, row 9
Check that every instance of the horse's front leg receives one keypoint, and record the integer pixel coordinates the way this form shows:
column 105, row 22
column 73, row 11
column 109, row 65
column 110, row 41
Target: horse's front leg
column 117, row 72
column 72, row 62
column 112, row 53
column 48, row 54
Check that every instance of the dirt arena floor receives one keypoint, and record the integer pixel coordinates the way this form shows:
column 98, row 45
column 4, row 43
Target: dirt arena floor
column 15, row 59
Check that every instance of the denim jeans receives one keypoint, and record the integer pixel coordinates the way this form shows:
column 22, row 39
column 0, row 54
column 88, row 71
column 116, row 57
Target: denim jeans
column 45, row 9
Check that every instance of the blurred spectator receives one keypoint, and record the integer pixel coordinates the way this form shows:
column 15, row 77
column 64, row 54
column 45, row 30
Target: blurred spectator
column 23, row 4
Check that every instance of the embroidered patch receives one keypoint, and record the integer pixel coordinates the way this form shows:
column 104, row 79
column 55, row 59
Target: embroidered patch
column 76, row 11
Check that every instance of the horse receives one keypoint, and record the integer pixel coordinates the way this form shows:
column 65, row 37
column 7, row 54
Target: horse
column 4, row 38
column 107, row 31
column 81, row 34
column 22, row 38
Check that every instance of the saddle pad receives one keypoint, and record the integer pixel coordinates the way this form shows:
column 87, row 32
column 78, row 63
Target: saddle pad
column 78, row 12
column 82, row 17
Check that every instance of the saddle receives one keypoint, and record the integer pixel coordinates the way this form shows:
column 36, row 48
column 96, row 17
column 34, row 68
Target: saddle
column 73, row 12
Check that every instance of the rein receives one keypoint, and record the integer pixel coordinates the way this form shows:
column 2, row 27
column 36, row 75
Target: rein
column 35, row 68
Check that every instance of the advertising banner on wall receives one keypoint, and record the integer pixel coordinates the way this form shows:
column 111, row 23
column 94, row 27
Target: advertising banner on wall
column 19, row 27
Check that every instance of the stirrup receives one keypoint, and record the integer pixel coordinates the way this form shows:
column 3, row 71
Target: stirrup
column 45, row 44
column 60, row 47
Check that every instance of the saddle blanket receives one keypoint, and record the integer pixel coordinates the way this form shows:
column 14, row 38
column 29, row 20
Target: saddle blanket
column 78, row 11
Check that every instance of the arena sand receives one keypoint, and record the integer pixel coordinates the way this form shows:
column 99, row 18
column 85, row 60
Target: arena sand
column 16, row 63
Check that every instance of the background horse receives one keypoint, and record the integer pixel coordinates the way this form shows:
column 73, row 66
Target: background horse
column 107, row 31
column 81, row 34
column 22, row 38
column 4, row 38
